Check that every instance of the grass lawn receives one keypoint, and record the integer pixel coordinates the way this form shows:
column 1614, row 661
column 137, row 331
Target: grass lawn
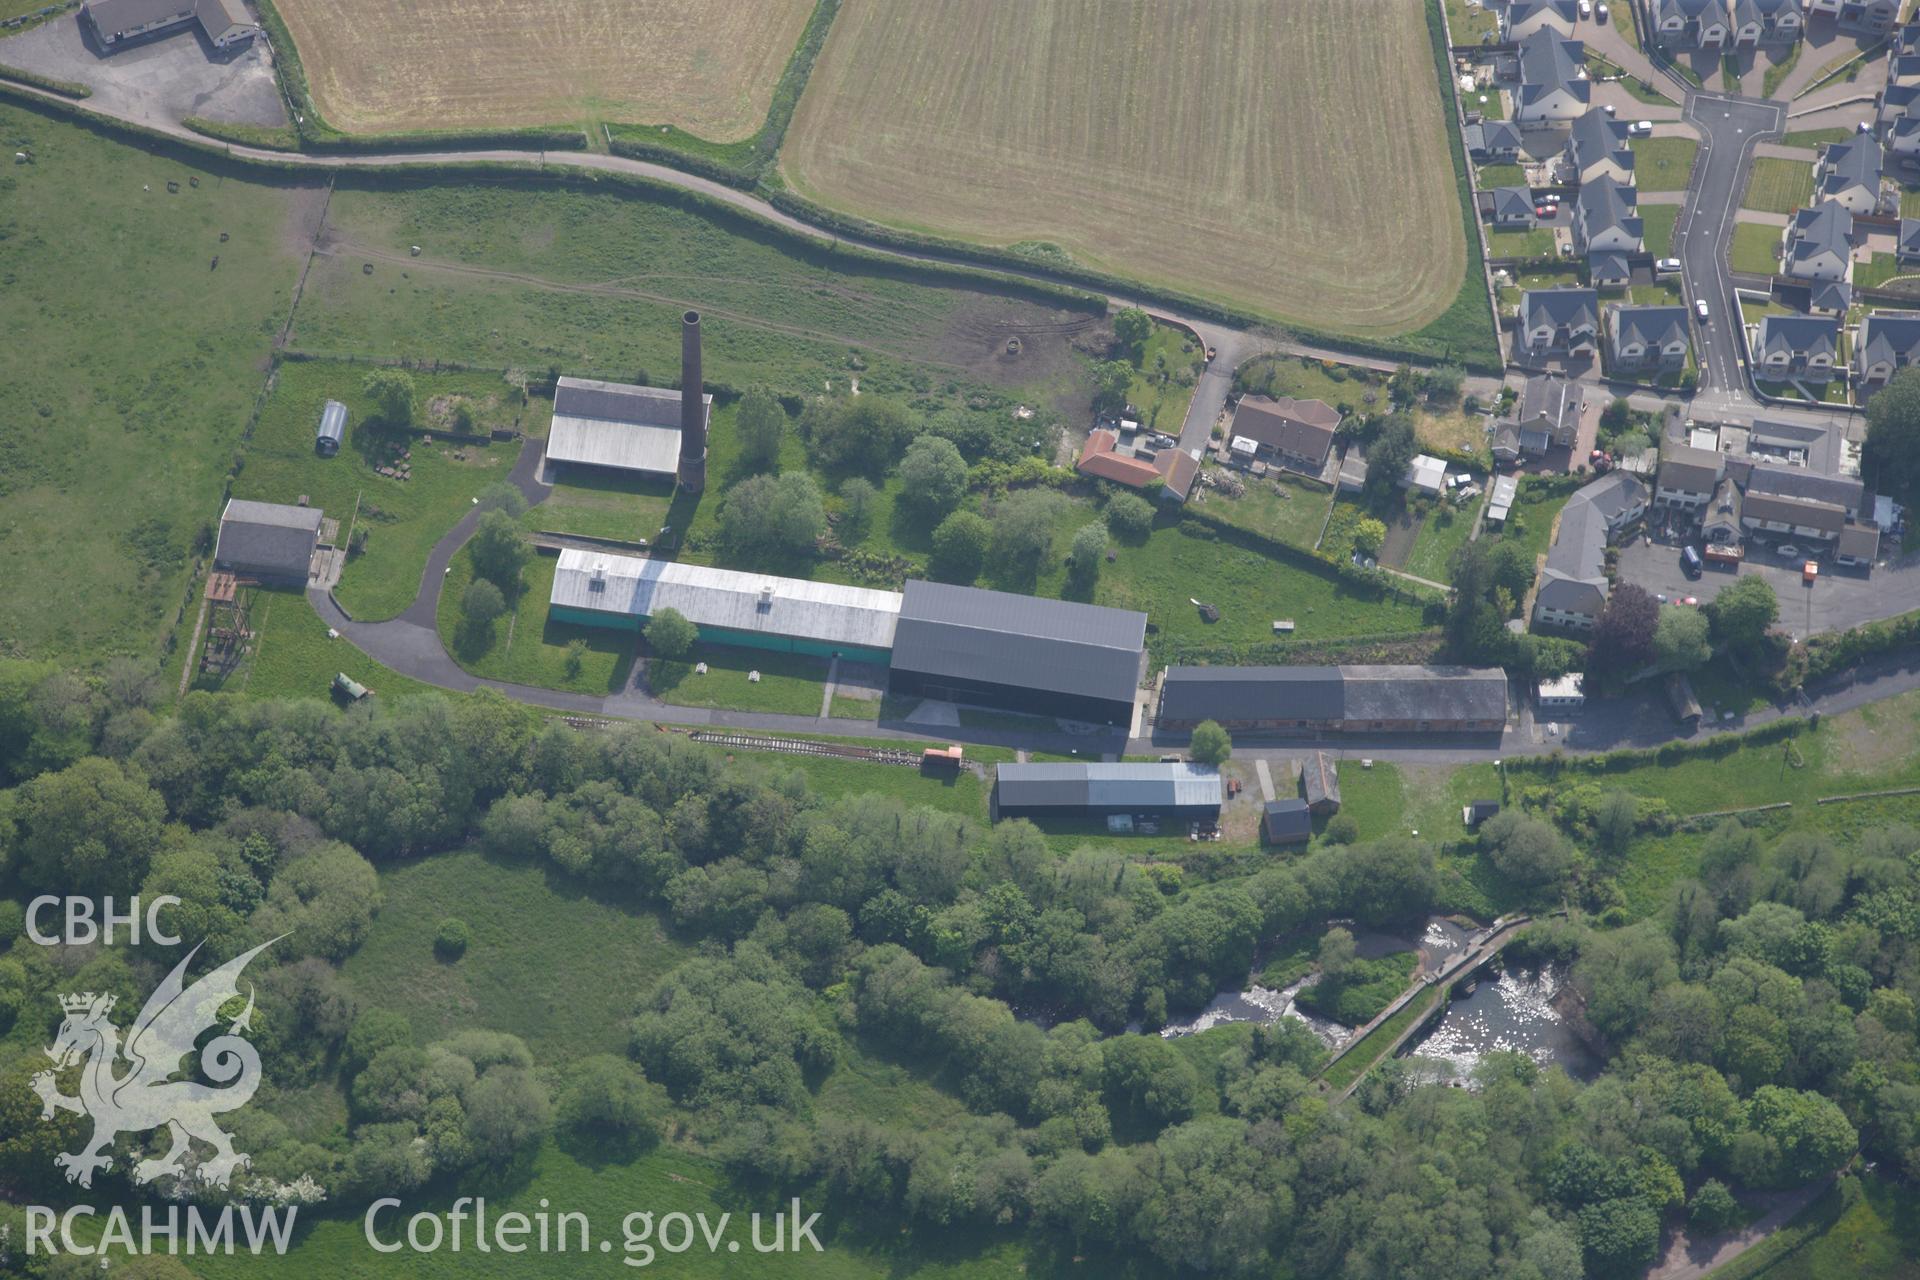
column 1815, row 137
column 1501, row 175
column 1251, row 589
column 1779, row 186
column 789, row 684
column 611, row 505
column 1537, row 243
column 1534, row 509
column 962, row 793
column 1910, row 202
column 1756, row 249
column 1659, row 293
column 402, row 519
column 122, row 419
column 1306, row 379
column 1282, row 507
column 1754, row 312
column 1442, row 533
column 1662, row 164
column 848, row 707
column 1659, row 225
column 1164, row 378
column 523, row 646
column 1467, row 22
column 1881, row 268
column 293, row 658
column 1455, row 429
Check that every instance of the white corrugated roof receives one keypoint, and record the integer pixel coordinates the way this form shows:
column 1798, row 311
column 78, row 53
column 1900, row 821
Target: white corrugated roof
column 616, row 424
column 709, row 597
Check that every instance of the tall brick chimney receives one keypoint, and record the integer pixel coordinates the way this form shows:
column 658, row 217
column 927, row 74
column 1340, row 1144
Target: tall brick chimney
column 693, row 409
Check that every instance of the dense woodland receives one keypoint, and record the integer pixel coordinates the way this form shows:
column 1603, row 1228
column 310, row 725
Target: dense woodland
column 1761, row 1030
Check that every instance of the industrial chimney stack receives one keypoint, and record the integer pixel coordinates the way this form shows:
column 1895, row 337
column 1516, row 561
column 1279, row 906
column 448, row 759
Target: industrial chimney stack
column 693, row 408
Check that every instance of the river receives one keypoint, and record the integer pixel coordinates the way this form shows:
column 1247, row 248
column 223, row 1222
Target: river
column 1512, row 1012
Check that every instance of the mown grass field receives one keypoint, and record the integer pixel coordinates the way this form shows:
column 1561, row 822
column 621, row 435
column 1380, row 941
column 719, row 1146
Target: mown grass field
column 120, row 420
column 1756, row 249
column 1164, row 144
column 1662, row 164
column 523, row 645
column 391, row 66
column 1779, row 186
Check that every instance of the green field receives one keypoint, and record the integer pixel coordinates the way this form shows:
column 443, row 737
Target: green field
column 293, row 657
column 401, row 519
column 1192, row 185
column 524, row 646
column 1756, row 249
column 1779, row 186
column 1657, row 227
column 1443, row 532
column 121, row 421
column 789, row 684
column 1663, row 164
column 1284, row 508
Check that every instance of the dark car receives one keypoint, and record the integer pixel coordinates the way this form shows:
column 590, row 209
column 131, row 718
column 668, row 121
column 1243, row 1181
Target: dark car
column 1690, row 562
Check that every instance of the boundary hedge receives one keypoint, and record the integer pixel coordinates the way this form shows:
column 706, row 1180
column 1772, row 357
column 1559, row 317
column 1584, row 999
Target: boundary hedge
column 318, row 136
column 738, row 164
column 65, row 88
column 1720, row 744
column 263, row 137
column 1833, row 652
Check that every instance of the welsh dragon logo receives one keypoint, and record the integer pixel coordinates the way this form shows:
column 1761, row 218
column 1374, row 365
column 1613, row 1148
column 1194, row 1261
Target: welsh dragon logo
column 144, row 1096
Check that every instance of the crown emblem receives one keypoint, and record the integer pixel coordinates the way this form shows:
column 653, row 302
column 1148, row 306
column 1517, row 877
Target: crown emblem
column 85, row 1001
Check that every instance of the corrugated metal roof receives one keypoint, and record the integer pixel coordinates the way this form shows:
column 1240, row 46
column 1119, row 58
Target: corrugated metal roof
column 1108, row 786
column 333, row 421
column 709, row 597
column 614, row 424
column 1352, row 693
column 997, row 637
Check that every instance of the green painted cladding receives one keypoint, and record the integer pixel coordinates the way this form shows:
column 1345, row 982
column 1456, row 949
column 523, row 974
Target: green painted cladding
column 723, row 635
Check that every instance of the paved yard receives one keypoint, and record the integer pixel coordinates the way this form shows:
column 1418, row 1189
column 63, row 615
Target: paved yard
column 160, row 81
column 1840, row 599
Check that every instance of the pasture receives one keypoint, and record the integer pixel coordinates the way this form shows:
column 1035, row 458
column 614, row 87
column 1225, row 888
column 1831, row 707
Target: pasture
column 1220, row 147
column 376, row 66
column 131, row 364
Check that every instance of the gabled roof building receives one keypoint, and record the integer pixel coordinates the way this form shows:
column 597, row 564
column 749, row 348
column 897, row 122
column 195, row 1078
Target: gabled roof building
column 268, row 542
column 1345, row 699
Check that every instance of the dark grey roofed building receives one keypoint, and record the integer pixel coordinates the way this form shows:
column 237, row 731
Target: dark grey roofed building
column 267, row 541
column 1573, row 586
column 1512, row 205
column 1845, row 492
column 1609, row 268
column 1492, row 140
column 1850, row 173
column 1909, row 242
column 1596, row 139
column 1819, row 242
column 1794, row 344
column 1858, row 545
column 1025, row 653
column 1285, row 699
column 1286, row 822
column 1829, row 297
column 1792, row 517
column 1606, row 217
column 1888, row 343
column 1649, row 337
column 1183, row 790
column 1686, row 477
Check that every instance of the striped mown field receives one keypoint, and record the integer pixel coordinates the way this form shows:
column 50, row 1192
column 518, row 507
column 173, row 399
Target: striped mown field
column 1284, row 156
column 706, row 66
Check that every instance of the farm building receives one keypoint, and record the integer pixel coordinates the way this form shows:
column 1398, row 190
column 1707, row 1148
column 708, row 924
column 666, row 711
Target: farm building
column 1353, row 699
column 1047, row 657
column 115, row 22
column 756, row 610
column 615, row 426
column 332, row 431
column 267, row 541
column 1320, row 785
column 1566, row 693
column 1137, row 468
column 1181, row 790
column 1286, row 822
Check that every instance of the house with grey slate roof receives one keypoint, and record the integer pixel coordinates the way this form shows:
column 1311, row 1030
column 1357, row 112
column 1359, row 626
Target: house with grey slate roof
column 1551, row 76
column 1512, row 207
column 1687, row 476
column 1648, row 339
column 1757, row 22
column 1524, row 17
column 1887, row 342
column 1606, row 217
column 1546, row 414
column 1897, row 115
column 1907, row 246
column 1873, row 17
column 1597, row 147
column 1691, row 24
column 1492, row 141
column 1829, row 297
column 1573, row 586
column 1562, row 321
column 1818, row 243
column 1849, row 173
column 1796, row 347
column 268, row 542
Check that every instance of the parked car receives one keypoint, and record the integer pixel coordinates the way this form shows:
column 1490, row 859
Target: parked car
column 1543, row 211
column 1690, row 562
column 1666, row 267
column 1600, row 12
column 1787, row 551
column 1640, row 129
column 1700, row 307
column 1609, row 108
column 1586, row 8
